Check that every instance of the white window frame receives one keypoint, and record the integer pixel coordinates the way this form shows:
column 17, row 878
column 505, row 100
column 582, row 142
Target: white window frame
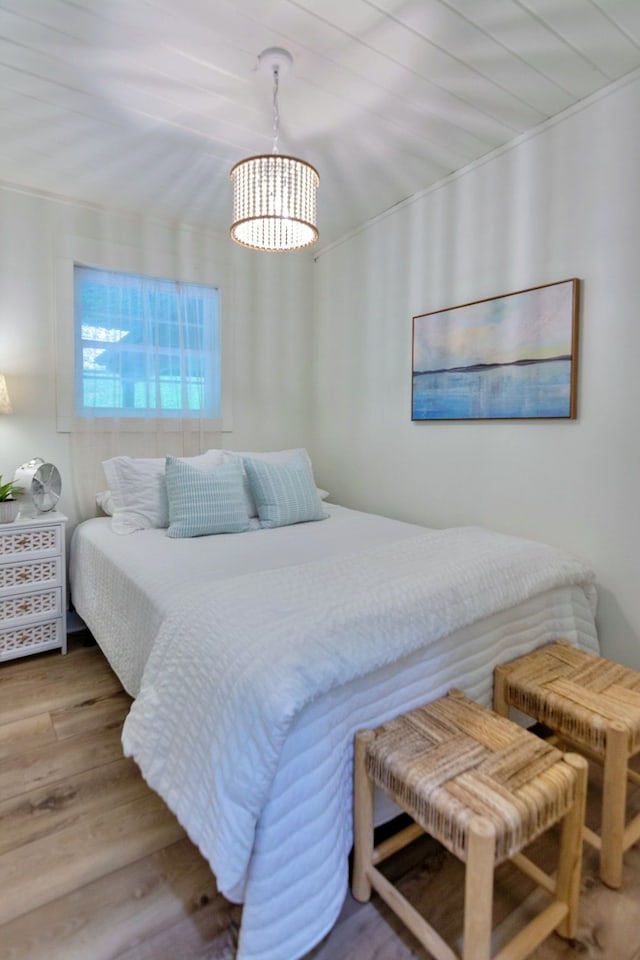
column 122, row 258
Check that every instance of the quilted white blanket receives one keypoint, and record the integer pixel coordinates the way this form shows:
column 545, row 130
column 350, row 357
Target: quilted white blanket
column 231, row 670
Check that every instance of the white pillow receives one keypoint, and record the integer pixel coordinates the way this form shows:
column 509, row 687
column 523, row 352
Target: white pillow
column 269, row 456
column 105, row 501
column 138, row 489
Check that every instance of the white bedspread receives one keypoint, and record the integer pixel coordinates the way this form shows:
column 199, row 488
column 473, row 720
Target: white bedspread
column 230, row 673
column 125, row 586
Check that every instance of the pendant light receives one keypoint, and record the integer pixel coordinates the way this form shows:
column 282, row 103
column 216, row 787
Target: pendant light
column 274, row 196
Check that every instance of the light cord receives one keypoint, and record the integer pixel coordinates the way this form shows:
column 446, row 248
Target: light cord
column 276, row 112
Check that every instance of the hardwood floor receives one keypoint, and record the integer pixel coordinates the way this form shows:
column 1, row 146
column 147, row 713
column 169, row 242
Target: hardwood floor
column 94, row 867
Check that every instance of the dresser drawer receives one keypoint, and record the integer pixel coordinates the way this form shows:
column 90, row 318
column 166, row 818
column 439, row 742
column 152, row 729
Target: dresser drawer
column 24, row 575
column 38, row 605
column 38, row 541
column 30, row 638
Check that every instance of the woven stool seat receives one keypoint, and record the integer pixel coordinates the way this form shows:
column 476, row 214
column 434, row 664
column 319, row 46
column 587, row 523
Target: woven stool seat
column 592, row 704
column 484, row 788
column 452, row 760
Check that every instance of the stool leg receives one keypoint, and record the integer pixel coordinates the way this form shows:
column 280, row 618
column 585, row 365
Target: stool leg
column 478, row 893
column 500, row 704
column 362, row 818
column 614, row 800
column 570, row 857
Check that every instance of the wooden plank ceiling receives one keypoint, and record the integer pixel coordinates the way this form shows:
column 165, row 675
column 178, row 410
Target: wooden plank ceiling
column 146, row 104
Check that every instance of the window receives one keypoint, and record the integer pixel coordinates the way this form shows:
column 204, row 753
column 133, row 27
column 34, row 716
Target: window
column 145, row 346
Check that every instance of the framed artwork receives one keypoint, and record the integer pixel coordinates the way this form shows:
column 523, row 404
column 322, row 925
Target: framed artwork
column 507, row 357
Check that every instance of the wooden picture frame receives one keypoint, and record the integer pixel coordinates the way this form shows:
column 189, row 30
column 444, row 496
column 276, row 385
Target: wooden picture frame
column 503, row 358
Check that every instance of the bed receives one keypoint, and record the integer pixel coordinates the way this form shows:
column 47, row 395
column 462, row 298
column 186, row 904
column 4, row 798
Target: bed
column 254, row 657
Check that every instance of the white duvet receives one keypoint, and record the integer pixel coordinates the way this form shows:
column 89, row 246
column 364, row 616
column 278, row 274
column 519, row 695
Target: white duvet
column 254, row 688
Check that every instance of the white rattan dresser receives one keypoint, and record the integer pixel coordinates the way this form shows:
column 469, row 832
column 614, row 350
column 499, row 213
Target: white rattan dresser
column 32, row 585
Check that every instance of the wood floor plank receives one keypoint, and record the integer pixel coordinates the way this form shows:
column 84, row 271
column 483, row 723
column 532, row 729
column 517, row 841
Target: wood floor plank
column 125, row 910
column 57, row 864
column 95, row 713
column 94, row 866
column 206, row 940
column 45, row 683
column 51, row 762
column 20, row 735
column 608, row 927
column 41, row 812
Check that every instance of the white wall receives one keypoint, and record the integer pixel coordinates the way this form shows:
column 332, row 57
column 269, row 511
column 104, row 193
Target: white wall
column 265, row 299
column 560, row 204
column 563, row 203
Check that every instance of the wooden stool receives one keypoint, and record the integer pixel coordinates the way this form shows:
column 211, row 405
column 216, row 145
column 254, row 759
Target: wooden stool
column 484, row 788
column 592, row 704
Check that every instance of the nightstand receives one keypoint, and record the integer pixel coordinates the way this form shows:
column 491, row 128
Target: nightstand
column 32, row 585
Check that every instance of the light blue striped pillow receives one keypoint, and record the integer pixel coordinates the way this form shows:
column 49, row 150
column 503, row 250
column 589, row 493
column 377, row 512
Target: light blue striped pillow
column 205, row 501
column 284, row 493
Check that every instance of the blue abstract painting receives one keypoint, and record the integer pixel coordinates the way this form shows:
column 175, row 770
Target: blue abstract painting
column 509, row 357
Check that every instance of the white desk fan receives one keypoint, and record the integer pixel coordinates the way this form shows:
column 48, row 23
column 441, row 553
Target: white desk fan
column 40, row 482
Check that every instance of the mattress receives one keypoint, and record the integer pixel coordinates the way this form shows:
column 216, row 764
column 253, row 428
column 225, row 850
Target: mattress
column 126, row 589
column 124, row 586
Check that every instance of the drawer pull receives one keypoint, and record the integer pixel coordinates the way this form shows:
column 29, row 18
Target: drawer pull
column 23, row 542
column 25, row 606
column 22, row 575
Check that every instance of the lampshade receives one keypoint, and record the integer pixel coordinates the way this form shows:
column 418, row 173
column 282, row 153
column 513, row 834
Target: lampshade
column 5, row 402
column 274, row 203
column 274, row 196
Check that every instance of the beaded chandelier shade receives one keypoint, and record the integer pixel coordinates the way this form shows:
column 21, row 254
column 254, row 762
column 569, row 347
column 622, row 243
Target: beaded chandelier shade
column 274, row 196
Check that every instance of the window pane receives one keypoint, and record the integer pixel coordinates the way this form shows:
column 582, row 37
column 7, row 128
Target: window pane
column 145, row 347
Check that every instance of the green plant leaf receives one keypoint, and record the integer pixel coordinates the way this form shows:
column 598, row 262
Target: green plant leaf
column 9, row 490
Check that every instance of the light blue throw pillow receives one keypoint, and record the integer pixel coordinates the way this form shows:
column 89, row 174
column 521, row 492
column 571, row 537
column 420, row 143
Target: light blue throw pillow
column 202, row 502
column 284, row 493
